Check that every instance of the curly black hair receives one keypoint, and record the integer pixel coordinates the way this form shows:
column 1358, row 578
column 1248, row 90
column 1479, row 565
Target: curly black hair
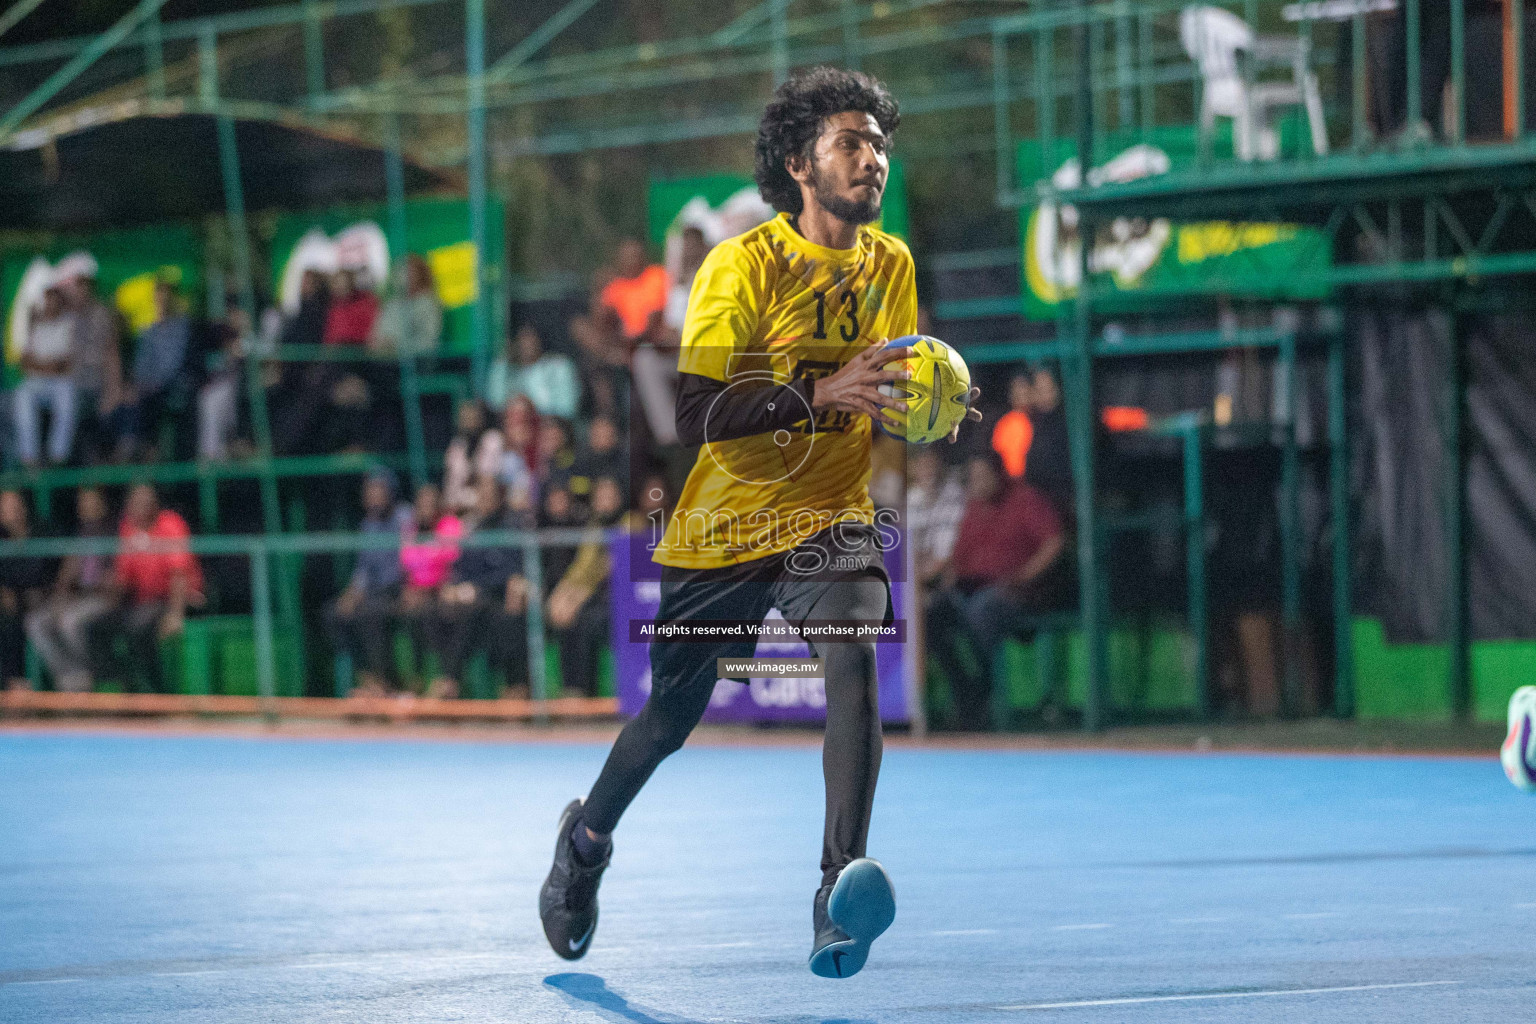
column 794, row 119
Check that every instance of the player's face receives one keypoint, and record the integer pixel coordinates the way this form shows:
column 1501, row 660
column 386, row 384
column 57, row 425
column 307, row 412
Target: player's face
column 848, row 167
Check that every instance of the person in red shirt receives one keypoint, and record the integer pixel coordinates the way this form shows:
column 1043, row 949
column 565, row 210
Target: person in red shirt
column 1009, row 538
column 349, row 321
column 155, row 579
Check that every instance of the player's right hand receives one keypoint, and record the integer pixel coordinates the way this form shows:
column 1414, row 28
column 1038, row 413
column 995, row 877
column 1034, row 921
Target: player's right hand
column 856, row 386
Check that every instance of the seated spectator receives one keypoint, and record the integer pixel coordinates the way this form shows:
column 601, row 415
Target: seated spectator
column 520, row 440
column 411, row 321
column 23, row 584
column 474, row 453
column 557, row 511
column 155, row 579
column 429, row 547
column 1009, row 537
column 600, row 456
column 159, row 372
column 359, row 619
column 47, row 381
column 96, row 362
column 218, row 399
column 934, row 506
column 482, row 604
column 577, row 609
column 555, row 454
column 59, row 628
column 547, row 379
column 349, row 319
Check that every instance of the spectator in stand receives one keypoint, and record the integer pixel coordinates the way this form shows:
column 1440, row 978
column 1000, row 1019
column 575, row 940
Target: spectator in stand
column 577, row 608
column 1014, row 432
column 555, row 454
column 600, row 456
column 483, row 602
column 59, row 628
column 411, row 321
column 429, row 547
column 349, row 320
column 557, row 511
column 935, row 504
column 1009, row 537
column 155, row 579
column 159, row 372
column 520, row 439
column 1049, row 467
column 475, row 453
column 307, row 326
column 47, row 381
column 359, row 619
column 95, row 358
column 655, row 364
column 547, row 379
column 218, row 399
column 23, row 584
column 637, row 295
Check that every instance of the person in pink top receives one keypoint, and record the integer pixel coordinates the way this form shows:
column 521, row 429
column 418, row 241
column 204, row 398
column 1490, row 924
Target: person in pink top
column 429, row 547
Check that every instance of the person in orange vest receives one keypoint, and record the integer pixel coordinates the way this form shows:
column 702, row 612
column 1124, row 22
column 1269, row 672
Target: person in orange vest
column 1015, row 432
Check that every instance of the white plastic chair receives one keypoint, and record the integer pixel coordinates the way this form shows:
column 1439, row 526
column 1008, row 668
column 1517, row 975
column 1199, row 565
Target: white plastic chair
column 1214, row 39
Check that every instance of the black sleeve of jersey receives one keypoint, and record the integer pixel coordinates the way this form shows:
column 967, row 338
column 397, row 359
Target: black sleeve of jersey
column 740, row 413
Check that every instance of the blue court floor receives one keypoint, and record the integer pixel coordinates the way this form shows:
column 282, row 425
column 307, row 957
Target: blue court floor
column 203, row 880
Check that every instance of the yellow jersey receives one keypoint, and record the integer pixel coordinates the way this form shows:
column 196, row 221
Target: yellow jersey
column 768, row 308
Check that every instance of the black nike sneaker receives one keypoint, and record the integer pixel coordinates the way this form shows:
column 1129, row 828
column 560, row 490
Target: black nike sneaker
column 568, row 900
column 849, row 915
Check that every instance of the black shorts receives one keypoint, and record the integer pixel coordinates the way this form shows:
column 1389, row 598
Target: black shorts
column 792, row 582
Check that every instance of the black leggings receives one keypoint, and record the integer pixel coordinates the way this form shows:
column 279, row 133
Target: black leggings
column 850, row 756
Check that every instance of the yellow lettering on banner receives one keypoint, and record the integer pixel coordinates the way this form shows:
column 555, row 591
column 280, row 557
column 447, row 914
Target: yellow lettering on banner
column 1200, row 242
column 453, row 267
column 135, row 297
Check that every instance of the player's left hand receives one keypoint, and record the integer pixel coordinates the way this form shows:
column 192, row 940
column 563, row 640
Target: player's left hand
column 971, row 414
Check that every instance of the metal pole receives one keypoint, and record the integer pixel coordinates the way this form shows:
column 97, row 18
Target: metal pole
column 1144, row 61
column 261, row 617
column 154, row 57
column 1095, row 707
column 533, row 619
column 1194, row 555
column 240, row 256
column 314, row 51
column 1357, row 79
column 851, row 54
column 410, row 390
column 1290, row 533
column 474, row 45
column 1045, row 102
column 1125, row 71
column 1338, row 499
column 1459, row 70
column 1002, row 134
column 60, row 79
column 1455, row 523
column 1517, row 42
column 780, row 42
column 1415, row 63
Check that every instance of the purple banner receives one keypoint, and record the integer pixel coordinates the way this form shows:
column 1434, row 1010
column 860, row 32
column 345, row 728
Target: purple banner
column 758, row 700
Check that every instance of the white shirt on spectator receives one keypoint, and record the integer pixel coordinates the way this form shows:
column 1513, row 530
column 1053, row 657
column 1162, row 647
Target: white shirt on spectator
column 933, row 518
column 51, row 340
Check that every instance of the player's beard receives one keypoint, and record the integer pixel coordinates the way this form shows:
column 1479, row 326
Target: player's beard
column 850, row 211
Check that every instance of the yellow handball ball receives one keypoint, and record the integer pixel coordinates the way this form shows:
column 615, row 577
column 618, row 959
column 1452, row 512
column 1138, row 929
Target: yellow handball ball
column 938, row 395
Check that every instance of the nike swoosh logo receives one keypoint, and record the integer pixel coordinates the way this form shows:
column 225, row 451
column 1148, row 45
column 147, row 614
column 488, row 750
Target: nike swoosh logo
column 576, row 944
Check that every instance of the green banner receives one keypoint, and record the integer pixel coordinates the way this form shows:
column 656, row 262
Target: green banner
column 356, row 237
column 127, row 265
column 725, row 205
column 1137, row 261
